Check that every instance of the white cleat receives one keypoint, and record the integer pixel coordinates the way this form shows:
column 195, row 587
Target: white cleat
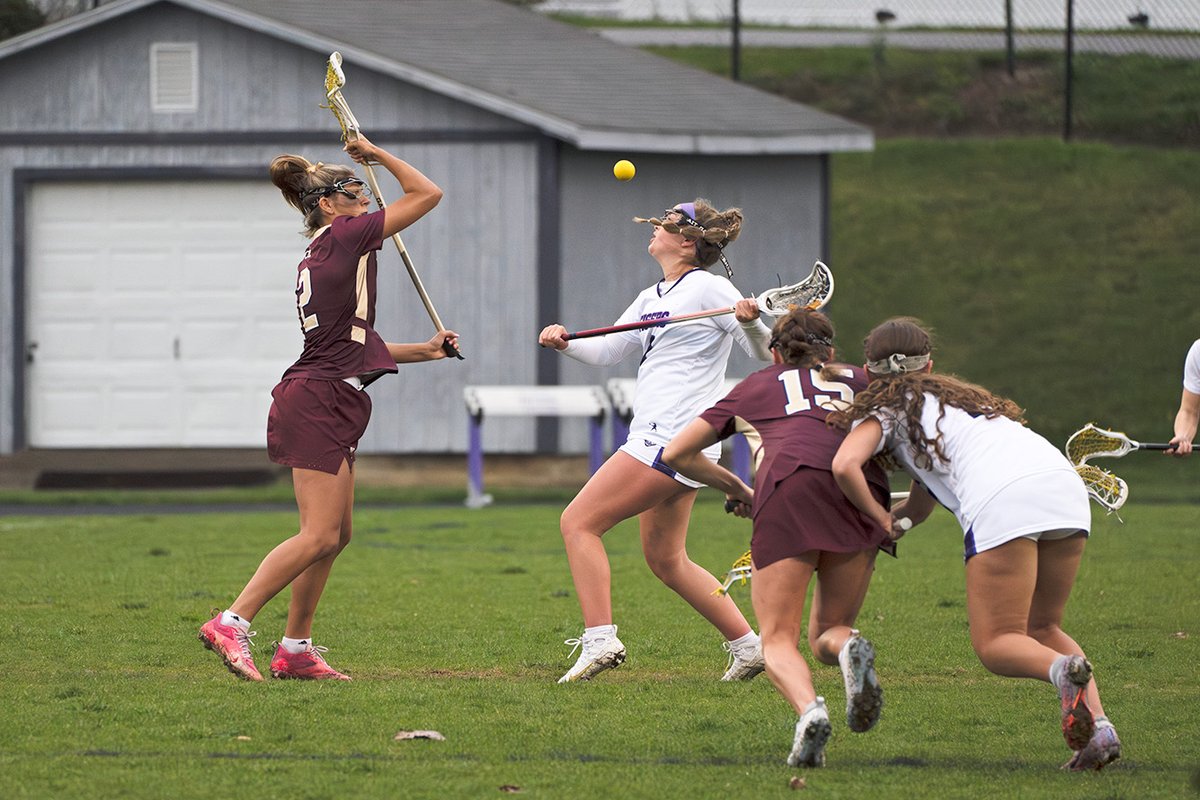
column 864, row 697
column 744, row 662
column 812, row 731
column 599, row 653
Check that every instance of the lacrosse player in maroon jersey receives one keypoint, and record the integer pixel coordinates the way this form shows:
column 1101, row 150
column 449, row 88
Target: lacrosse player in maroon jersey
column 803, row 524
column 320, row 409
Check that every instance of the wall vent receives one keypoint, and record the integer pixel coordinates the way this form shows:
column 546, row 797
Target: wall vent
column 174, row 75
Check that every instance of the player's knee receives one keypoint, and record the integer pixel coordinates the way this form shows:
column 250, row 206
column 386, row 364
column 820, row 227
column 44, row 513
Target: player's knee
column 571, row 526
column 1044, row 630
column 821, row 646
column 324, row 543
column 665, row 566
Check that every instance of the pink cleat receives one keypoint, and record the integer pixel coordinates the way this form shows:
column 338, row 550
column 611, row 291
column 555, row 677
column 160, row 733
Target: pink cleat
column 1103, row 749
column 232, row 644
column 1077, row 722
column 307, row 666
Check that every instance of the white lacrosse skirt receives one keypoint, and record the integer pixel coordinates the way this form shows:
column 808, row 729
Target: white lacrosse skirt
column 650, row 454
column 1046, row 505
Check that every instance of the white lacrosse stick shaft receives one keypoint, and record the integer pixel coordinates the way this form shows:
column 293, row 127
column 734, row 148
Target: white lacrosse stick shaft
column 336, row 100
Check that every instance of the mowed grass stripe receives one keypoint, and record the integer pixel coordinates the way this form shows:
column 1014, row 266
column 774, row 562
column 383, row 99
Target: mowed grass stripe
column 452, row 620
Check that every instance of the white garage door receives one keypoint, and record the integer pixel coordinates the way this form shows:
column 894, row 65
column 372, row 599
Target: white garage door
column 160, row 314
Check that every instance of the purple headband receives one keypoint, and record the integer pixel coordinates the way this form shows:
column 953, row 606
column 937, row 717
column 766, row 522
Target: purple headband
column 689, row 209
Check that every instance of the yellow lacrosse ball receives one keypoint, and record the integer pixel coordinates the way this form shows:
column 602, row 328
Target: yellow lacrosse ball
column 623, row 170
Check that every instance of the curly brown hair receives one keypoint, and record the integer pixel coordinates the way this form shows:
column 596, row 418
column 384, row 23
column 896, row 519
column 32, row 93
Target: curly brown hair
column 903, row 393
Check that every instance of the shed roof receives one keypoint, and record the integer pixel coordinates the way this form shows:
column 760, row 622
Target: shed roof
column 566, row 81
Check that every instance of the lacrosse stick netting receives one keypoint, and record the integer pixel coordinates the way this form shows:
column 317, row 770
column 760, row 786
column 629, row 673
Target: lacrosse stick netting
column 1104, row 487
column 1092, row 442
column 813, row 292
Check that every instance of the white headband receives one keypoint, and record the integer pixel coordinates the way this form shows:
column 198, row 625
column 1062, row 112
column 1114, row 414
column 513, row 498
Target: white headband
column 898, row 364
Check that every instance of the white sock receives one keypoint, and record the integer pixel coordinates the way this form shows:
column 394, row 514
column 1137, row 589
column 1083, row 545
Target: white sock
column 230, row 618
column 846, row 644
column 1056, row 668
column 749, row 639
column 294, row 646
column 601, row 631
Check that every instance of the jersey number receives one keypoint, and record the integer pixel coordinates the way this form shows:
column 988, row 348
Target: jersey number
column 303, row 295
column 840, row 395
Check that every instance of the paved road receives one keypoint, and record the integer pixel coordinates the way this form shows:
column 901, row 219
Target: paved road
column 1184, row 47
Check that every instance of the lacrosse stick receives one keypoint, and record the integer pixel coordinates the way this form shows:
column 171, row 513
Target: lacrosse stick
column 739, row 571
column 335, row 79
column 813, row 292
column 1104, row 487
column 1091, row 442
column 743, row 566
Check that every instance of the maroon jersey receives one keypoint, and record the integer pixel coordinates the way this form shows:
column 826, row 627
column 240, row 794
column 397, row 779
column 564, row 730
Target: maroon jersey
column 782, row 411
column 335, row 298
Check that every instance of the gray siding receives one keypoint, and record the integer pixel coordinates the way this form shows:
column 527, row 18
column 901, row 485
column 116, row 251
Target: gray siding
column 248, row 82
column 475, row 253
column 532, row 230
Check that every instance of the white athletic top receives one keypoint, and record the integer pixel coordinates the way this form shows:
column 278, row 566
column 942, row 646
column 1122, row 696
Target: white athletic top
column 1191, row 369
column 985, row 455
column 682, row 371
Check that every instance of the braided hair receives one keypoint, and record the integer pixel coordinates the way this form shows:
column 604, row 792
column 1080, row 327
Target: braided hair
column 713, row 230
column 803, row 338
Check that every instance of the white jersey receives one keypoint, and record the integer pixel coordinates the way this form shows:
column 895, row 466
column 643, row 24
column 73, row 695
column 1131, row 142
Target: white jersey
column 985, row 456
column 682, row 371
column 1191, row 369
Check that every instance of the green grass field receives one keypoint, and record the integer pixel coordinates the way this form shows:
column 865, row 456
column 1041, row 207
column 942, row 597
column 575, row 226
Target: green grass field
column 453, row 620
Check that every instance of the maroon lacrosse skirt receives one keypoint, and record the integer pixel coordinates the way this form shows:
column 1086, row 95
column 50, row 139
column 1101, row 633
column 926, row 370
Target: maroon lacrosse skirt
column 316, row 424
column 807, row 511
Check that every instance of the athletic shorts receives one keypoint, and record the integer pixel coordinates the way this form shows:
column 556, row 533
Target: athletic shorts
column 650, row 454
column 316, row 424
column 808, row 511
column 1049, row 505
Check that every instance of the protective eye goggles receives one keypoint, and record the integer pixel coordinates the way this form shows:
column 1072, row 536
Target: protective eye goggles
column 351, row 187
column 683, row 216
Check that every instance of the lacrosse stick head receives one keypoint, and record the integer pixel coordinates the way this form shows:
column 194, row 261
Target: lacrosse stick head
column 741, row 570
column 1091, row 442
column 1104, row 487
column 814, row 292
column 335, row 79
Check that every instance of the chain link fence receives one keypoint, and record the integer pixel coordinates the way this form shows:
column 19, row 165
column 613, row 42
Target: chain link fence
column 1117, row 70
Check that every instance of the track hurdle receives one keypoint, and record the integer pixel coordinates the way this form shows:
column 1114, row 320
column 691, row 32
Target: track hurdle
column 528, row 401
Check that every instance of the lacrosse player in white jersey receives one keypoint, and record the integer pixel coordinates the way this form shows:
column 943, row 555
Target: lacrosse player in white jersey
column 682, row 372
column 1188, row 416
column 1022, row 507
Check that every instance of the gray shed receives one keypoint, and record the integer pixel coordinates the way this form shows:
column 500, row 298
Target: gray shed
column 146, row 282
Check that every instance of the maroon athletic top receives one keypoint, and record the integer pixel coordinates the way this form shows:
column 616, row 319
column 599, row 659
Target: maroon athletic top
column 785, row 407
column 335, row 298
